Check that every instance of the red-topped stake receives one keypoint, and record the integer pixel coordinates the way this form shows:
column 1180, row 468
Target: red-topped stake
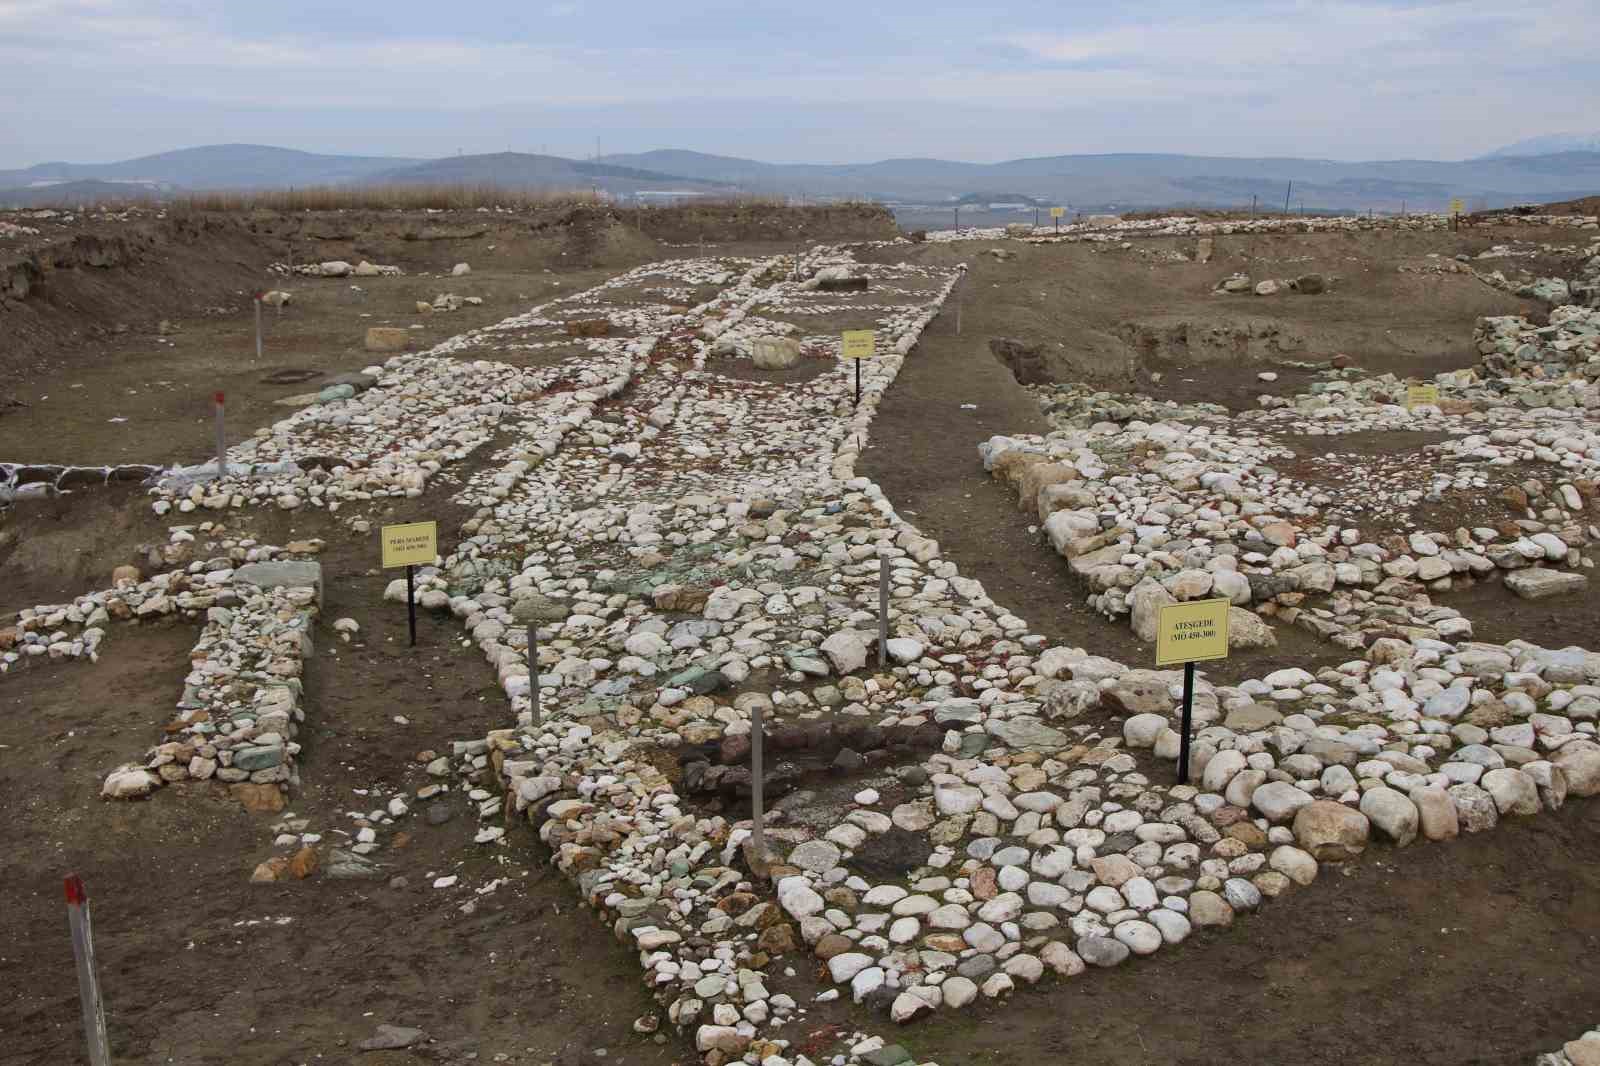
column 94, row 1014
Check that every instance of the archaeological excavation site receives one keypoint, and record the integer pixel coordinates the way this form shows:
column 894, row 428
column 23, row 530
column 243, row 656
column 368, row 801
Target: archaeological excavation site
column 784, row 681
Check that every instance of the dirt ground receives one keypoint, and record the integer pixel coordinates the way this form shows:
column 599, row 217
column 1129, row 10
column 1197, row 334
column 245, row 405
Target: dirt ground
column 159, row 389
column 1391, row 963
column 1114, row 316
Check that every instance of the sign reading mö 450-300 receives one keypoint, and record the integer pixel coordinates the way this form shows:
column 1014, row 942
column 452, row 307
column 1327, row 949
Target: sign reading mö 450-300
column 1192, row 632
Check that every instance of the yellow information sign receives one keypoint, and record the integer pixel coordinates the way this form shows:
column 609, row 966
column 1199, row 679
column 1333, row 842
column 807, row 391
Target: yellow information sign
column 1057, row 212
column 1422, row 396
column 411, row 544
column 859, row 343
column 1192, row 632
column 1457, row 207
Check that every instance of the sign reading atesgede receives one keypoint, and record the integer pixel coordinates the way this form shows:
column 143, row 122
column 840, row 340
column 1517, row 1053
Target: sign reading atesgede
column 859, row 343
column 1192, row 632
column 1422, row 396
column 1457, row 207
column 1057, row 212
column 411, row 544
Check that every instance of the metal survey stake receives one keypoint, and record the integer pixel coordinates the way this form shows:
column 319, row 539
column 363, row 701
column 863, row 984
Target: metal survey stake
column 222, row 438
column 1187, row 633
column 883, row 611
column 533, row 669
column 259, row 295
column 758, row 829
column 94, row 1013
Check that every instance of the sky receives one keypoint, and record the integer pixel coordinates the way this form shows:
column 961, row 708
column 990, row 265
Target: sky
column 102, row 80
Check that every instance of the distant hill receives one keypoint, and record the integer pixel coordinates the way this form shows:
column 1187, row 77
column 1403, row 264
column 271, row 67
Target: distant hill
column 523, row 170
column 216, row 166
column 1082, row 182
column 1127, row 180
column 1550, row 144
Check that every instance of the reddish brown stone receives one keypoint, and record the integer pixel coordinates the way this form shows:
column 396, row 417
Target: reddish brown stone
column 304, row 863
column 258, row 798
column 777, row 939
column 832, row 944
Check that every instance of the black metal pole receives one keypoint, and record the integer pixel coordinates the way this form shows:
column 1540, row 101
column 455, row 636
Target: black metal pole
column 858, row 383
column 1188, row 712
column 411, row 603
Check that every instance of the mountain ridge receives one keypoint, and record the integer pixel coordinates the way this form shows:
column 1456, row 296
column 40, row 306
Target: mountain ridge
column 1081, row 181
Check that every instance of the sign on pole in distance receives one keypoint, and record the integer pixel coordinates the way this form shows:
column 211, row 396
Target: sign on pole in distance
column 1192, row 632
column 411, row 544
column 1057, row 212
column 859, row 343
column 1422, row 395
column 1457, row 207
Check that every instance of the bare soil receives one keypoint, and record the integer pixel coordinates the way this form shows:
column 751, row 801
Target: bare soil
column 1115, row 316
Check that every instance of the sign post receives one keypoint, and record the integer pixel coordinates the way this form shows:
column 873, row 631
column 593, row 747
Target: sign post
column 1055, row 216
column 411, row 545
column 1456, row 208
column 1188, row 633
column 858, row 344
column 94, row 1012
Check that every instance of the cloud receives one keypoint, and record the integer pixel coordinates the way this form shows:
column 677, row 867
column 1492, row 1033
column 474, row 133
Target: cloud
column 1345, row 80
